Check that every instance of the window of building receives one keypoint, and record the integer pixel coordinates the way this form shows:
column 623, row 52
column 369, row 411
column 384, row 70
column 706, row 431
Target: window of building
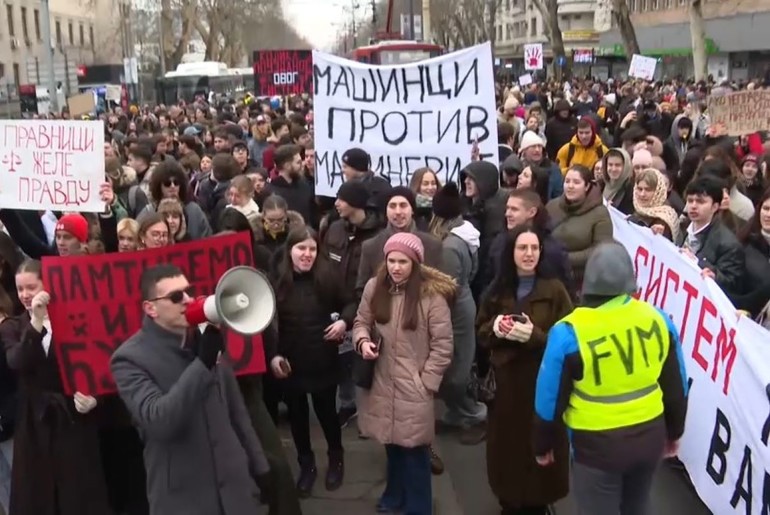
column 654, row 5
column 81, row 34
column 71, row 32
column 2, row 70
column 644, row 6
column 16, row 75
column 24, row 28
column 58, row 33
column 533, row 27
column 91, row 35
column 508, row 31
column 9, row 15
column 36, row 16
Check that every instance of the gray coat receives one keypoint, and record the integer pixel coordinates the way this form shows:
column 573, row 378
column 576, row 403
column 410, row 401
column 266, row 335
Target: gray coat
column 459, row 259
column 201, row 453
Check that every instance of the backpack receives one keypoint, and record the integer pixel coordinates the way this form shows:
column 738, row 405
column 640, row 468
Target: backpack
column 573, row 148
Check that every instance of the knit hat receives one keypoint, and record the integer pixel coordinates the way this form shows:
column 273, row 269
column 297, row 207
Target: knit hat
column 357, row 159
column 609, row 271
column 511, row 103
column 530, row 139
column 354, row 193
column 74, row 224
column 406, row 243
column 401, row 191
column 447, row 203
column 642, row 157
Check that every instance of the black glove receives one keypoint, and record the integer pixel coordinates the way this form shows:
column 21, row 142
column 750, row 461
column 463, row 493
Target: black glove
column 210, row 344
column 266, row 485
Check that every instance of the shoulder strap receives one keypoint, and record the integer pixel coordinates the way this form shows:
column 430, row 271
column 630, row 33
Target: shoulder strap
column 132, row 193
column 570, row 153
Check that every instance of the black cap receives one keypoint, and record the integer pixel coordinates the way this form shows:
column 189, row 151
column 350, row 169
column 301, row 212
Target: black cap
column 401, row 191
column 240, row 144
column 354, row 193
column 357, row 159
column 447, row 203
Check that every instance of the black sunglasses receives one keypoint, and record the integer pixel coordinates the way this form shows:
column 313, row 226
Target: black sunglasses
column 170, row 182
column 176, row 296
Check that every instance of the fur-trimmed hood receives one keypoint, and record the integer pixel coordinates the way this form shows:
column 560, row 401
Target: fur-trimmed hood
column 436, row 282
column 295, row 220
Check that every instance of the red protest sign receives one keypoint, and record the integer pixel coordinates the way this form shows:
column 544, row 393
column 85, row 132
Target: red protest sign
column 282, row 72
column 96, row 305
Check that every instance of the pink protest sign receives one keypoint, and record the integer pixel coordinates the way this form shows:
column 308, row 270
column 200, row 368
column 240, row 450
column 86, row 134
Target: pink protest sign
column 51, row 164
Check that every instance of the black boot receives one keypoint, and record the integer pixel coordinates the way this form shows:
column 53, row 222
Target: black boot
column 336, row 471
column 307, row 476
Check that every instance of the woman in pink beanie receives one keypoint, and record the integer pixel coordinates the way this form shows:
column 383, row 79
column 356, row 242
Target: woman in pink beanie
column 404, row 325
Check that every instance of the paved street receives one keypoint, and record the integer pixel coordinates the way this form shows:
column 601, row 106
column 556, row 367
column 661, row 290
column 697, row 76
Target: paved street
column 461, row 490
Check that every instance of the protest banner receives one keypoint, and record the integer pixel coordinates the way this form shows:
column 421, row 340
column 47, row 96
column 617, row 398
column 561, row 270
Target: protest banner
column 727, row 357
column 642, row 67
column 742, row 112
column 282, row 72
column 96, row 305
column 50, row 164
column 424, row 114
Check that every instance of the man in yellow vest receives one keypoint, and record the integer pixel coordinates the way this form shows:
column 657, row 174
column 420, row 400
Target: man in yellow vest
column 613, row 372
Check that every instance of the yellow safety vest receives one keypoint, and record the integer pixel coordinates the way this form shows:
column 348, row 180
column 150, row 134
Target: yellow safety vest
column 623, row 345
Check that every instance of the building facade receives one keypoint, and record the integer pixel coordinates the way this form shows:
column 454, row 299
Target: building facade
column 83, row 32
column 520, row 22
column 737, row 37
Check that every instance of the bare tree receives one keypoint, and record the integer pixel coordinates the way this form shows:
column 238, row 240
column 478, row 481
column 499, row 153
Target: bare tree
column 698, row 34
column 176, row 40
column 622, row 16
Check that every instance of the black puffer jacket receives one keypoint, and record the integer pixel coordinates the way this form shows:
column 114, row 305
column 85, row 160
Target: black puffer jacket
column 302, row 316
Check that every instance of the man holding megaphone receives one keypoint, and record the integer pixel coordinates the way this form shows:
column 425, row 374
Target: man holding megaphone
column 201, row 452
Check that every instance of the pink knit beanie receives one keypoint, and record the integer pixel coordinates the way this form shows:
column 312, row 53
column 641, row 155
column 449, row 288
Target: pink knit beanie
column 406, row 243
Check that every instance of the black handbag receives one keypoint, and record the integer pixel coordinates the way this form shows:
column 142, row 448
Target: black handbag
column 363, row 369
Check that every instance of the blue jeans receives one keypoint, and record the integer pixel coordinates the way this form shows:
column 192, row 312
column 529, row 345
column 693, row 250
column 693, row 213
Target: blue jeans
column 408, row 485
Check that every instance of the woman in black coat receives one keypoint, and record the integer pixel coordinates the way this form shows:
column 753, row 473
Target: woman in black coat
column 57, row 468
column 313, row 313
column 755, row 238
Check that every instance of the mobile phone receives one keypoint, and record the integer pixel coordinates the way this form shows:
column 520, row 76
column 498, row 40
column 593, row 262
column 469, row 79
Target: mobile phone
column 519, row 318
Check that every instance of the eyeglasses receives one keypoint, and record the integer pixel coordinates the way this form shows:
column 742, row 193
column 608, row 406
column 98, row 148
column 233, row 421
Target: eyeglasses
column 279, row 221
column 170, row 182
column 176, row 296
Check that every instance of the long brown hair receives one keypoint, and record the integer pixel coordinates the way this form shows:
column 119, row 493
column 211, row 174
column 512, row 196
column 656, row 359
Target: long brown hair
column 382, row 299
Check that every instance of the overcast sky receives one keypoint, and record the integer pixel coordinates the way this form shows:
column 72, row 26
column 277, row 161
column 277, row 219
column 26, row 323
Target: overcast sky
column 318, row 21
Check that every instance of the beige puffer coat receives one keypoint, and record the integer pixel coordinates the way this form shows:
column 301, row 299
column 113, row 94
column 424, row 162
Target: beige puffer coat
column 399, row 407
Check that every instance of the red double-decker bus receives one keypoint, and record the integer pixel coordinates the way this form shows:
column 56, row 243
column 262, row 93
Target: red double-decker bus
column 396, row 52
column 389, row 49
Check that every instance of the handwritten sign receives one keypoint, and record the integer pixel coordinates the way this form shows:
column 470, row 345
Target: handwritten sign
column 744, row 112
column 424, row 114
column 642, row 67
column 533, row 56
column 282, row 72
column 96, row 305
column 56, row 165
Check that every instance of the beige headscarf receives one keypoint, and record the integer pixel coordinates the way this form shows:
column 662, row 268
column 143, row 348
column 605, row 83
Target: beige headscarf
column 657, row 207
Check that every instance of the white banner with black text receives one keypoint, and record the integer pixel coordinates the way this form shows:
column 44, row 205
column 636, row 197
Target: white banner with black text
column 407, row 117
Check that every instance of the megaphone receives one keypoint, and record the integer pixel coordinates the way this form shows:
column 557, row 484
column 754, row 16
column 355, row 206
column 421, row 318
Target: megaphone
column 243, row 301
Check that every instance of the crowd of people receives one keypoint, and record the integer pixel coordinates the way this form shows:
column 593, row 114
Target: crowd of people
column 388, row 297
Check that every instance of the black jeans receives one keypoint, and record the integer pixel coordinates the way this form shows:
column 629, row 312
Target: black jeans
column 325, row 407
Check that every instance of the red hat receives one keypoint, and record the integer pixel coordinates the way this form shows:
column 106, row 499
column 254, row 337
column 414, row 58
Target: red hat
column 74, row 224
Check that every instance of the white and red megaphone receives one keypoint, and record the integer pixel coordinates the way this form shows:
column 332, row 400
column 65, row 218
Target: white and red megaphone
column 243, row 301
